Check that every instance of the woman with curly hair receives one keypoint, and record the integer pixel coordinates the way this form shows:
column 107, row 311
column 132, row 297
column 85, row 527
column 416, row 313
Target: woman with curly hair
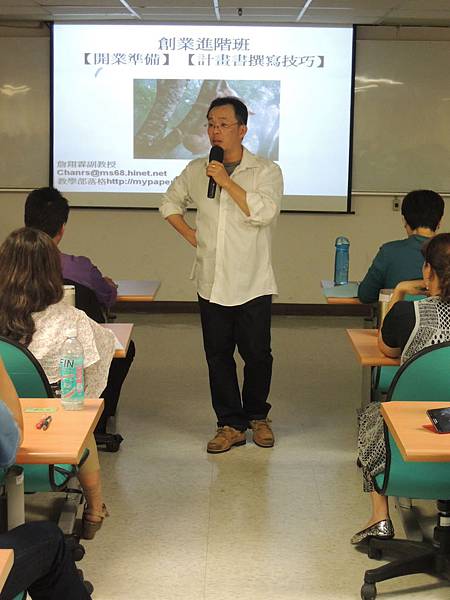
column 33, row 314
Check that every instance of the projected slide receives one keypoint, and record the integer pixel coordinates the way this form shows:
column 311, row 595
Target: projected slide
column 130, row 103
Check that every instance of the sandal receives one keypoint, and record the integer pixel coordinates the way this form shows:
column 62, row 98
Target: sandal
column 90, row 527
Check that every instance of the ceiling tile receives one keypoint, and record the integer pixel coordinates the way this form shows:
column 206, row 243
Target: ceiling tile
column 422, row 5
column 354, row 4
column 23, row 12
column 15, row 3
column 385, row 12
column 172, row 4
column 77, row 3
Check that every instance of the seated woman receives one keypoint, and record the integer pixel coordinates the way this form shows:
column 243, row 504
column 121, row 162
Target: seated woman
column 408, row 328
column 400, row 260
column 33, row 314
column 43, row 564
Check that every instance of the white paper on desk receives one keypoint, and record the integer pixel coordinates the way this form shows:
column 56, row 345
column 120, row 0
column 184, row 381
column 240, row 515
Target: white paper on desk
column 325, row 283
column 117, row 343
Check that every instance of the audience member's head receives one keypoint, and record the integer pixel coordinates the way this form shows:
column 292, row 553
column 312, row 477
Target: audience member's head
column 240, row 110
column 423, row 208
column 436, row 253
column 46, row 209
column 30, row 281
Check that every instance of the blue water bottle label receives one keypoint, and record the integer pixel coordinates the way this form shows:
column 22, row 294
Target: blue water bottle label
column 72, row 379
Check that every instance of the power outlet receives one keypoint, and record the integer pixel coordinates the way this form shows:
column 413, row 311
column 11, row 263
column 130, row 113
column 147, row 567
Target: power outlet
column 396, row 204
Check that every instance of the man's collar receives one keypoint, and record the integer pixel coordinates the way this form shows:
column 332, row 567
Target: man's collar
column 248, row 160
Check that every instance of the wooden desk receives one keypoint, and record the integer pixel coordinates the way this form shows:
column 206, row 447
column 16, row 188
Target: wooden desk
column 343, row 301
column 365, row 345
column 405, row 420
column 6, row 563
column 352, row 287
column 122, row 331
column 130, row 290
column 64, row 440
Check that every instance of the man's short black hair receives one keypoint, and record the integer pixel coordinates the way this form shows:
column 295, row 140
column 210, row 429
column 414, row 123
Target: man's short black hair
column 46, row 209
column 240, row 110
column 423, row 208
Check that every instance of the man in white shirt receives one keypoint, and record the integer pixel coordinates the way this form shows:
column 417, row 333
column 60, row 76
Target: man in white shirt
column 235, row 279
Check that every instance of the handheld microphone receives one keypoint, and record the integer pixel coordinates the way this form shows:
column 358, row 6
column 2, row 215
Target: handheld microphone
column 216, row 153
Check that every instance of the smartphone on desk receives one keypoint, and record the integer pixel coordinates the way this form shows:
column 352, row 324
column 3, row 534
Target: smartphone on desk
column 440, row 417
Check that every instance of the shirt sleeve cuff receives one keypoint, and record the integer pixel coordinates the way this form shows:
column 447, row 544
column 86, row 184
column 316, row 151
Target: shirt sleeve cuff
column 169, row 208
column 260, row 212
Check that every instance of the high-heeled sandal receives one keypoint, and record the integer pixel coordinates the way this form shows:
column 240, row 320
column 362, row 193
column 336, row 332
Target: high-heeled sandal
column 89, row 527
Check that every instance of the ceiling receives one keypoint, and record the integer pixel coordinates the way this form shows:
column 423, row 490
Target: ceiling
column 362, row 12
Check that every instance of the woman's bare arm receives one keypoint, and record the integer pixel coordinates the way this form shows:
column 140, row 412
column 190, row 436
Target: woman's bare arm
column 9, row 396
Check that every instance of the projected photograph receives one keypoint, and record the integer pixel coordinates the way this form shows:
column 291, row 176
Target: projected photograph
column 170, row 116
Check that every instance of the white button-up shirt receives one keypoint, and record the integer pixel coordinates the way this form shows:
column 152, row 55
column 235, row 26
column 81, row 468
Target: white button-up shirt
column 234, row 256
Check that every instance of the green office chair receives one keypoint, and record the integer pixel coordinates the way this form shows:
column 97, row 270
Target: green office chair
column 30, row 381
column 426, row 376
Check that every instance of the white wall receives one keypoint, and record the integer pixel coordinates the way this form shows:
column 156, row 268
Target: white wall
column 139, row 244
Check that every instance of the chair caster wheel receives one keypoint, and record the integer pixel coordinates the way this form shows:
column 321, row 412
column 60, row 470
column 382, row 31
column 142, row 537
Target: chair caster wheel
column 87, row 584
column 114, row 444
column 75, row 548
column 374, row 553
column 368, row 591
column 78, row 552
column 110, row 441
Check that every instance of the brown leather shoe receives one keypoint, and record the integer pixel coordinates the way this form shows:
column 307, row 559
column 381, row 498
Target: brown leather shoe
column 262, row 433
column 225, row 438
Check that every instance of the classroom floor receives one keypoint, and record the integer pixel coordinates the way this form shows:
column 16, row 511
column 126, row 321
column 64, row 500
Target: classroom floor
column 253, row 523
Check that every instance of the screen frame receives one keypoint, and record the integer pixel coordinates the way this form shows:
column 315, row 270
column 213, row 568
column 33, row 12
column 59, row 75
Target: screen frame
column 91, row 206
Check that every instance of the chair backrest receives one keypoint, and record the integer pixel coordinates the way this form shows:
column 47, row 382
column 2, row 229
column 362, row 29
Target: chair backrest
column 426, row 376
column 87, row 301
column 25, row 371
column 30, row 381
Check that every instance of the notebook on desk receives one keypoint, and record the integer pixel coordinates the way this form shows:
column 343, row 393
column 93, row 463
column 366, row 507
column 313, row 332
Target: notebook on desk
column 349, row 290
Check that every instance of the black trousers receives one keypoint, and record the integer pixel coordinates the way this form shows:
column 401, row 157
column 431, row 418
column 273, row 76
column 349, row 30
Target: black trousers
column 42, row 564
column 117, row 373
column 246, row 326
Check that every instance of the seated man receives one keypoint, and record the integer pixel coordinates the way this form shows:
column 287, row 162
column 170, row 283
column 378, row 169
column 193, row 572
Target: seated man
column 42, row 564
column 402, row 260
column 46, row 209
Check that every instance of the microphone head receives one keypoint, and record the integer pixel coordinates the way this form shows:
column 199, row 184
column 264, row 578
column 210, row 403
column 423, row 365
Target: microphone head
column 216, row 153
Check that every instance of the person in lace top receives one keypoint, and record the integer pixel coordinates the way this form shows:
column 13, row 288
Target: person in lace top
column 407, row 328
column 32, row 313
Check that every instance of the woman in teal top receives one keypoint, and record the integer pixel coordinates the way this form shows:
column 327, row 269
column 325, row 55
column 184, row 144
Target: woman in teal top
column 402, row 260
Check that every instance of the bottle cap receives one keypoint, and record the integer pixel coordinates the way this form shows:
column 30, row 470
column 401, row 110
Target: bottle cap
column 70, row 332
column 342, row 241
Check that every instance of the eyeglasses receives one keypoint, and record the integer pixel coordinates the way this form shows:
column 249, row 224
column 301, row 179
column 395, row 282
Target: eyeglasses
column 220, row 126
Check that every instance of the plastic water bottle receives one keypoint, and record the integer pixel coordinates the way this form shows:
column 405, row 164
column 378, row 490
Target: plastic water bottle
column 341, row 261
column 71, row 371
